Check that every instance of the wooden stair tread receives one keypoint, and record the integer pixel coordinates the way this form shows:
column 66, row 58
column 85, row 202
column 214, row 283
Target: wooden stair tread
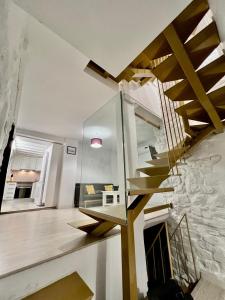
column 198, row 127
column 154, row 170
column 181, row 91
column 148, row 182
column 169, row 70
column 198, row 48
column 202, row 44
column 159, row 162
column 188, row 20
column 158, row 48
column 111, row 213
column 202, row 115
column 212, row 73
column 209, row 76
column 84, row 225
column 216, row 97
column 150, row 191
column 175, row 152
column 70, row 287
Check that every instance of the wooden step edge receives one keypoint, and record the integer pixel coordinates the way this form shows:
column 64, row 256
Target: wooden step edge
column 152, row 168
column 103, row 215
column 85, row 225
column 153, row 177
column 159, row 162
column 171, row 152
column 82, row 223
column 157, row 208
column 149, row 191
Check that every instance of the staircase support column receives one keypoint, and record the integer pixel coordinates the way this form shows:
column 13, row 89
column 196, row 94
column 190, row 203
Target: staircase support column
column 128, row 261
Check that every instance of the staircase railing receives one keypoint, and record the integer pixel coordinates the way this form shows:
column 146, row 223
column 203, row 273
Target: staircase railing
column 159, row 256
column 175, row 127
column 178, row 253
column 184, row 266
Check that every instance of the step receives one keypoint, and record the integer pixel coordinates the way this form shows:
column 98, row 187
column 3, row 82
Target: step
column 181, row 91
column 202, row 44
column 158, row 48
column 150, row 191
column 159, row 162
column 188, row 20
column 212, row 73
column 217, row 96
column 198, row 48
column 69, row 288
column 84, row 225
column 169, row 70
column 177, row 152
column 148, row 182
column 204, row 117
column 155, row 170
column 198, row 127
column 189, row 107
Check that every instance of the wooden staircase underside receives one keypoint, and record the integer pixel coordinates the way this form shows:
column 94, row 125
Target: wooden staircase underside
column 176, row 56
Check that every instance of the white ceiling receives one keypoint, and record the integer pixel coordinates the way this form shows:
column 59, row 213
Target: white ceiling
column 57, row 95
column 110, row 32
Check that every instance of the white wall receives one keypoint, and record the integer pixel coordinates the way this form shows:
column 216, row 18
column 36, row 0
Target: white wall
column 68, row 176
column 51, row 189
column 99, row 265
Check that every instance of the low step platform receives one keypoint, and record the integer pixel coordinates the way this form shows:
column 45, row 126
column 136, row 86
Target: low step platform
column 70, row 287
column 112, row 213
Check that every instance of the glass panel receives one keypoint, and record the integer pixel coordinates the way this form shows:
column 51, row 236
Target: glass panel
column 103, row 186
column 144, row 139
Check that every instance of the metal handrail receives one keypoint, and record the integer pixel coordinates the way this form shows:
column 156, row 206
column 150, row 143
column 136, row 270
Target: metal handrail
column 181, row 262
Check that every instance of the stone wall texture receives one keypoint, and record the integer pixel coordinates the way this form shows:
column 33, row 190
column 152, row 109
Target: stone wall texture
column 12, row 48
column 200, row 192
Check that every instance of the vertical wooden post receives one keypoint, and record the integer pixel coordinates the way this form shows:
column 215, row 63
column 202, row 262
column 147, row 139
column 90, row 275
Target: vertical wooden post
column 128, row 261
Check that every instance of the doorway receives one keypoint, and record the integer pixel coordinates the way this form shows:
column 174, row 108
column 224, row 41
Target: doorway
column 26, row 175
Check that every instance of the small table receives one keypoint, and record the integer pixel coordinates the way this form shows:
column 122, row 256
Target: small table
column 109, row 193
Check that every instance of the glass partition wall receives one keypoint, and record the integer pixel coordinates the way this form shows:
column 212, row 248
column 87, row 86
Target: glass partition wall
column 103, row 184
column 118, row 139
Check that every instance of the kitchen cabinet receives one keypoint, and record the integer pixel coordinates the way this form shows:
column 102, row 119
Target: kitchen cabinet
column 9, row 191
column 23, row 162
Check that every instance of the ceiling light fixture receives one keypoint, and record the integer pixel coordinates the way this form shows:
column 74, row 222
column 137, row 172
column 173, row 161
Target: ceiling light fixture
column 96, row 143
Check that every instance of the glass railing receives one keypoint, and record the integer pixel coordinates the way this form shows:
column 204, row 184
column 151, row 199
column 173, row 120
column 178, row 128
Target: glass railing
column 118, row 140
column 103, row 184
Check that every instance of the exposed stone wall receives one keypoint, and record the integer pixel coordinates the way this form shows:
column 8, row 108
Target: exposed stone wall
column 12, row 36
column 200, row 192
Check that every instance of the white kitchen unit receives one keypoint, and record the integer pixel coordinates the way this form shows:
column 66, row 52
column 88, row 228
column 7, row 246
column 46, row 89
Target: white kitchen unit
column 24, row 162
column 9, row 191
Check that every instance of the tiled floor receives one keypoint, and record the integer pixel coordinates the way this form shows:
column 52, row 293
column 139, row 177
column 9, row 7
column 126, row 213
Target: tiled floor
column 18, row 204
